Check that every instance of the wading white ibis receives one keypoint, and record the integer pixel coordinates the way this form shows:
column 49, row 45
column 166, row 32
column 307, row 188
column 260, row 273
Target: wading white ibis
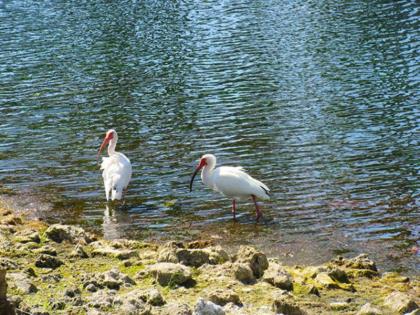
column 230, row 181
column 116, row 168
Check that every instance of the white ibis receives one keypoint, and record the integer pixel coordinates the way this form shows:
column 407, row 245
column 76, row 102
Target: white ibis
column 116, row 168
column 230, row 181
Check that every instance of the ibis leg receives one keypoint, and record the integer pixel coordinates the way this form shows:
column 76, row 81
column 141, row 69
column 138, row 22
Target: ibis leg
column 257, row 209
column 234, row 209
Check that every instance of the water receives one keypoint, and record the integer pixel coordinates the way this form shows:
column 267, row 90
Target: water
column 319, row 99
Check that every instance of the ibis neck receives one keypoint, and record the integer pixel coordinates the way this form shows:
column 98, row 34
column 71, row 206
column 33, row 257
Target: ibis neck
column 111, row 146
column 206, row 175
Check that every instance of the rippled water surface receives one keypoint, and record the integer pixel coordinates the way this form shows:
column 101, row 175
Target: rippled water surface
column 319, row 99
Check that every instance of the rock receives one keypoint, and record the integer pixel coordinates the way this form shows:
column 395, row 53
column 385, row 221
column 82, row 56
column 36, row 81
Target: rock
column 192, row 257
column 91, row 287
column 339, row 306
column 394, row 277
column 49, row 250
column 149, row 296
column 79, row 252
column 72, row 292
column 22, row 282
column 284, row 304
column 257, row 261
column 104, row 299
column 171, row 252
column 368, row 309
column 134, row 302
column 400, row 303
column 223, row 297
column 114, row 279
column 324, row 281
column 54, row 278
column 243, row 273
column 278, row 277
column 28, row 236
column 338, row 275
column 359, row 266
column 73, row 234
column 47, row 261
column 104, row 249
column 11, row 220
column 176, row 309
column 8, row 264
column 169, row 274
column 415, row 312
column 207, row 308
column 57, row 305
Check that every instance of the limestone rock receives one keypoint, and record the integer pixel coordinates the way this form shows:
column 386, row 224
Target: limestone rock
column 223, row 297
column 104, row 249
column 368, row 309
column 176, row 309
column 359, row 266
column 277, row 276
column 243, row 273
column 47, row 249
column 114, row 279
column 172, row 252
column 47, row 261
column 28, row 236
column 79, row 252
column 207, row 308
column 170, row 273
column 104, row 299
column 22, row 282
column 324, row 281
column 257, row 261
column 339, row 306
column 284, row 304
column 73, row 234
column 149, row 296
column 400, row 303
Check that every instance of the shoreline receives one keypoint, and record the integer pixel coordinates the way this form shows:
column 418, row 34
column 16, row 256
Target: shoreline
column 63, row 269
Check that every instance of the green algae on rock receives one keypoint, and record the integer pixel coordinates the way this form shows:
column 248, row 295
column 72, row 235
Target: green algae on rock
column 70, row 271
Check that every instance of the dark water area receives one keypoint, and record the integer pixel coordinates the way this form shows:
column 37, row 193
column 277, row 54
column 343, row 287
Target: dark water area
column 318, row 99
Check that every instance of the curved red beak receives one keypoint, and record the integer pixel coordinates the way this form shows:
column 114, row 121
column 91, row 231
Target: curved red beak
column 198, row 168
column 107, row 138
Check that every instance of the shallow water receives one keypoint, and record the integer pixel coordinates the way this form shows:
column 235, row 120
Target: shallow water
column 318, row 99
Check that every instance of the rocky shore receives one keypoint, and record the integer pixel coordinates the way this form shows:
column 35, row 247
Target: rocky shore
column 62, row 269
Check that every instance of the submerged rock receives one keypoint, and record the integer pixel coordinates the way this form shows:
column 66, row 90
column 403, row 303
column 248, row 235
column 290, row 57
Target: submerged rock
column 73, row 234
column 400, row 303
column 207, row 308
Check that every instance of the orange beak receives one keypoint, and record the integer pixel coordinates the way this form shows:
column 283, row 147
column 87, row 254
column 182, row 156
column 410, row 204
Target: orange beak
column 108, row 138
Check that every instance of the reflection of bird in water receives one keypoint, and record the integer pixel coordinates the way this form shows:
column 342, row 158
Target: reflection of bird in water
column 110, row 226
column 116, row 168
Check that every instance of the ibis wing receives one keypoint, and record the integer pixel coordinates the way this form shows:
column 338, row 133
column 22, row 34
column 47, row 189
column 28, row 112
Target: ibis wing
column 232, row 181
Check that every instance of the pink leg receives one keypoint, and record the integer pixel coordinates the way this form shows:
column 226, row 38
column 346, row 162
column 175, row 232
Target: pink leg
column 234, row 209
column 257, row 209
